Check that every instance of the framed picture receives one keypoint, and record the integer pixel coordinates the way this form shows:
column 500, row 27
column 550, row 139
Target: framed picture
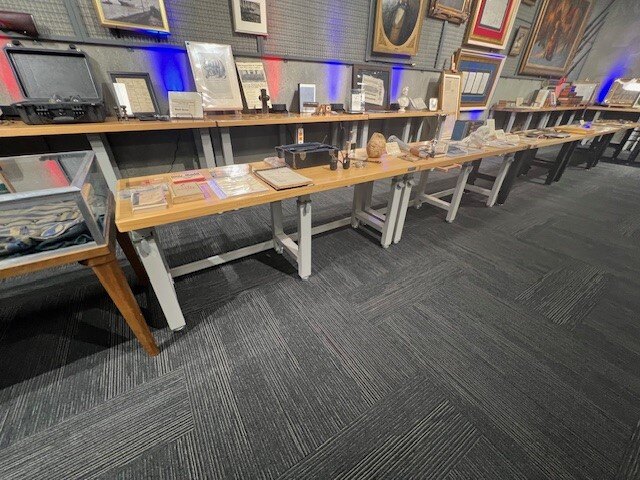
column 214, row 72
column 145, row 15
column 556, row 36
column 620, row 96
column 250, row 16
column 142, row 98
column 519, row 41
column 253, row 79
column 480, row 73
column 450, row 89
column 375, row 82
column 455, row 11
column 586, row 90
column 491, row 23
column 397, row 26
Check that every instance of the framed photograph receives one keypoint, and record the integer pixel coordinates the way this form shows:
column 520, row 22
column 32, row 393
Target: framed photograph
column 142, row 98
column 480, row 73
column 556, row 36
column 450, row 88
column 214, row 72
column 250, row 16
column 140, row 15
column 454, row 11
column 519, row 41
column 491, row 23
column 620, row 96
column 586, row 90
column 375, row 82
column 253, row 79
column 397, row 26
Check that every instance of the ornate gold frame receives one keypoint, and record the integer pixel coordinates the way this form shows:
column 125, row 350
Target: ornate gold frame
column 382, row 45
column 449, row 14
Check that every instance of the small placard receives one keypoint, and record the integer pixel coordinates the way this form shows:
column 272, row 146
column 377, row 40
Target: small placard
column 393, row 149
column 186, row 105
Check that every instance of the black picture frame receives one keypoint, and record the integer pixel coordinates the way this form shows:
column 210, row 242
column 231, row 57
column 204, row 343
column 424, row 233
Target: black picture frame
column 144, row 75
column 377, row 71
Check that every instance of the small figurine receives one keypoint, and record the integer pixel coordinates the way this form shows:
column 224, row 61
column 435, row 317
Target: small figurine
column 404, row 100
column 264, row 98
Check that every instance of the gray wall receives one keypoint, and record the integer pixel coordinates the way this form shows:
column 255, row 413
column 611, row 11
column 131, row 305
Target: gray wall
column 318, row 41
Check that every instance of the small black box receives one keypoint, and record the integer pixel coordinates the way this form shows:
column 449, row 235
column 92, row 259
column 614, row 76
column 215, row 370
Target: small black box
column 304, row 155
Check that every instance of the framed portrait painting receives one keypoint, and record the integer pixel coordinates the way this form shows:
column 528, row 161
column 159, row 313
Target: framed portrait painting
column 250, row 16
column 480, row 73
column 519, row 41
column 491, row 23
column 140, row 15
column 375, row 83
column 455, row 11
column 556, row 36
column 397, row 26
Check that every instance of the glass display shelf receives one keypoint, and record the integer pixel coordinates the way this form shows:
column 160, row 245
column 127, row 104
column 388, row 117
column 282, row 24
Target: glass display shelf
column 51, row 204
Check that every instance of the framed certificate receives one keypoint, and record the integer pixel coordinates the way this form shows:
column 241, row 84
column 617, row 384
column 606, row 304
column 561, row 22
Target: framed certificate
column 142, row 98
column 491, row 23
column 480, row 73
column 450, row 87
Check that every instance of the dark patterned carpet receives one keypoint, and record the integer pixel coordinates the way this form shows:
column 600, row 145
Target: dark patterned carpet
column 503, row 346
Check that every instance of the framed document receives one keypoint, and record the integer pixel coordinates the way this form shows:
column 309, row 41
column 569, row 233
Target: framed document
column 480, row 73
column 186, row 105
column 146, row 16
column 142, row 98
column 450, row 88
column 375, row 82
column 214, row 72
column 491, row 23
column 556, row 36
column 253, row 80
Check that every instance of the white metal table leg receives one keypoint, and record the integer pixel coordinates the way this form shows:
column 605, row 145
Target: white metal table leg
column 458, row 191
column 357, row 205
column 104, row 156
column 204, row 148
column 420, row 129
column 404, row 206
column 276, row 225
column 155, row 264
column 527, row 122
column 572, row 118
column 282, row 132
column 393, row 206
column 511, row 122
column 227, row 149
column 304, row 236
column 597, row 116
column 364, row 138
column 334, row 134
column 422, row 187
column 497, row 184
column 406, row 132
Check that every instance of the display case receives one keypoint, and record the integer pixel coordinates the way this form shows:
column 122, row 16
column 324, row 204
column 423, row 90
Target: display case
column 51, row 205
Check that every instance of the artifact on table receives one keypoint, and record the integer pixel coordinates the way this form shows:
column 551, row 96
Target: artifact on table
column 404, row 100
column 377, row 146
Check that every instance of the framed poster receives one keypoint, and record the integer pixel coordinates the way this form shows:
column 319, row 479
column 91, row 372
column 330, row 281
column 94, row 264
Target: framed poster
column 397, row 26
column 519, row 41
column 142, row 98
column 450, row 89
column 620, row 96
column 455, row 11
column 480, row 73
column 215, row 75
column 556, row 36
column 145, row 15
column 375, row 82
column 253, row 80
column 491, row 23
column 250, row 16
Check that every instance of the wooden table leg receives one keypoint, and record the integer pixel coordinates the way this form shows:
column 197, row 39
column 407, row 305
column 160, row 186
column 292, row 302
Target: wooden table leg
column 115, row 283
column 129, row 250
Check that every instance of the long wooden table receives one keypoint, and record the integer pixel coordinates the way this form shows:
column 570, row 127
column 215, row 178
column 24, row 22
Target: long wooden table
column 212, row 135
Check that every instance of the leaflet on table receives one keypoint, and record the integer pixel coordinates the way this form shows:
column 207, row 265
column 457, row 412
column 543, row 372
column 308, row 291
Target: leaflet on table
column 225, row 187
column 125, row 194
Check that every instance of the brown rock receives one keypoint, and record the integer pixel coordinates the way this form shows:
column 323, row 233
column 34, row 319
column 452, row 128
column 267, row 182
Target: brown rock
column 377, row 146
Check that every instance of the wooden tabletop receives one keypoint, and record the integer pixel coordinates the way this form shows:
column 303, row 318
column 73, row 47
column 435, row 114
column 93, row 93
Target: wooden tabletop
column 323, row 179
column 522, row 109
column 20, row 129
column 600, row 108
column 248, row 120
column 407, row 114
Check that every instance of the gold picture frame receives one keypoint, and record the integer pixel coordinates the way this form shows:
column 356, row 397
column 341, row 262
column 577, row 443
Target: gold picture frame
column 132, row 15
column 554, row 41
column 398, row 25
column 454, row 11
column 619, row 97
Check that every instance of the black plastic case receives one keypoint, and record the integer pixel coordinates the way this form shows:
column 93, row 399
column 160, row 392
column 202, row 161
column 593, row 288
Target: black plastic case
column 305, row 155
